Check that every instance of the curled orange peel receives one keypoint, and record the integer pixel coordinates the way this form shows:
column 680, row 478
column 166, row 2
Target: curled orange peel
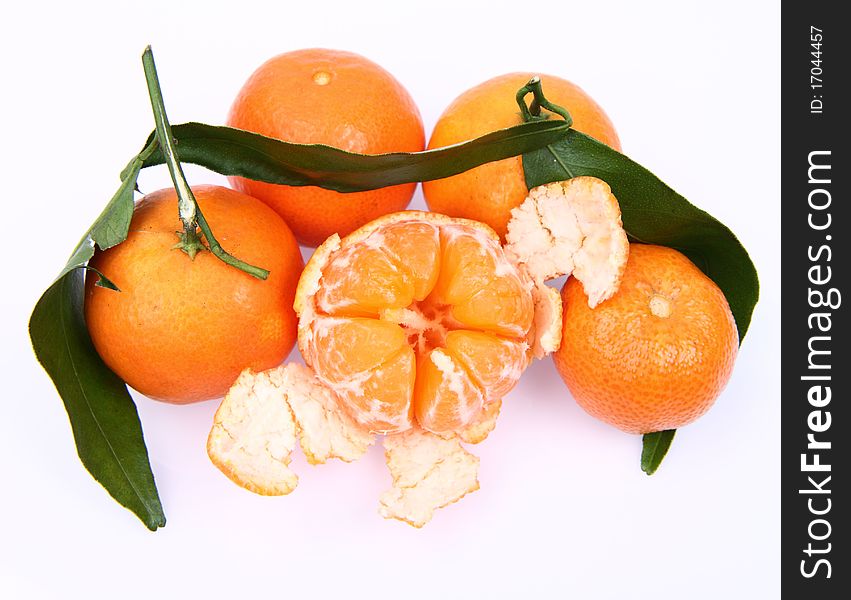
column 571, row 228
column 255, row 429
column 429, row 472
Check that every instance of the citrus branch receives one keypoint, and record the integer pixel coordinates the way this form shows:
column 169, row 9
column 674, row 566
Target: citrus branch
column 190, row 212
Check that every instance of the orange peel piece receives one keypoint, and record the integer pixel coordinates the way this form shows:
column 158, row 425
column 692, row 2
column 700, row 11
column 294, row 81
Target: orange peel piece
column 254, row 434
column 573, row 228
column 546, row 330
column 325, row 431
column 429, row 472
column 477, row 431
column 260, row 419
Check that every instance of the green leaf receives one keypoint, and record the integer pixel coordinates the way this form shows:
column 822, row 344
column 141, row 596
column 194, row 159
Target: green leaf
column 81, row 255
column 110, row 228
column 653, row 213
column 231, row 151
column 112, row 225
column 103, row 417
column 654, row 448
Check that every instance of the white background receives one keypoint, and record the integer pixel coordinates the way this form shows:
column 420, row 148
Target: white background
column 563, row 510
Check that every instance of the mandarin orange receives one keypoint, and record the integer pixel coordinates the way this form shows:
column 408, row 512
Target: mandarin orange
column 657, row 354
column 181, row 330
column 489, row 192
column 328, row 97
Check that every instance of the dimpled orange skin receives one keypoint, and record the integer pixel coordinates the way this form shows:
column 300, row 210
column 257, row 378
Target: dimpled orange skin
column 489, row 192
column 182, row 330
column 658, row 353
column 336, row 98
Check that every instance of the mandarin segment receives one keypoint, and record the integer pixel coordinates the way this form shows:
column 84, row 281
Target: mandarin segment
column 361, row 280
column 339, row 343
column 446, row 398
column 494, row 363
column 483, row 288
column 369, row 365
column 503, row 306
column 416, row 249
column 380, row 399
column 468, row 265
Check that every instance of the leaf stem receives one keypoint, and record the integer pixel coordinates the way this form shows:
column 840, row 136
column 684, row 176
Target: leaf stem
column 190, row 212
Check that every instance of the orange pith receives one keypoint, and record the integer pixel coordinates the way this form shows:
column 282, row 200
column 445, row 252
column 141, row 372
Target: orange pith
column 416, row 317
column 656, row 354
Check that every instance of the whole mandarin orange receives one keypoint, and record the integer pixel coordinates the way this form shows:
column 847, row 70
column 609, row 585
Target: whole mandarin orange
column 336, row 98
column 181, row 330
column 657, row 354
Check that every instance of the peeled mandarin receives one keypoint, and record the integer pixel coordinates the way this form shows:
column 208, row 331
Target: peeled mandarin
column 417, row 319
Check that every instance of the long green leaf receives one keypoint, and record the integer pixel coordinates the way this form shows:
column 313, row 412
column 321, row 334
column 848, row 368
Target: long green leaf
column 103, row 417
column 106, row 427
column 231, row 151
column 653, row 213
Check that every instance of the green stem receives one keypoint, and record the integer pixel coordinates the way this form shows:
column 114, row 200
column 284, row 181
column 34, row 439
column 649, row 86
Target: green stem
column 190, row 212
column 187, row 205
column 539, row 101
column 216, row 249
